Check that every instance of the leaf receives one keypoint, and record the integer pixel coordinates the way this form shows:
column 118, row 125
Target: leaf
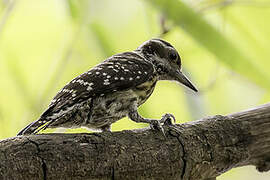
column 77, row 9
column 16, row 74
column 103, row 39
column 212, row 40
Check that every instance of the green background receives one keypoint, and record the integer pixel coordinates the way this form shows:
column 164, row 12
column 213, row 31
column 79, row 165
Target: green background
column 224, row 46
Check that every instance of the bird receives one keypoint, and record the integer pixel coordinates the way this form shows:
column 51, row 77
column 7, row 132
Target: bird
column 113, row 89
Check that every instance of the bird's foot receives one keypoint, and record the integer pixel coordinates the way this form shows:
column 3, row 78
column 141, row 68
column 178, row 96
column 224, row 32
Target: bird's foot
column 165, row 120
column 156, row 125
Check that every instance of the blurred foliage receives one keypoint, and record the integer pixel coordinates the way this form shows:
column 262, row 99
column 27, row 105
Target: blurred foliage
column 212, row 40
column 224, row 45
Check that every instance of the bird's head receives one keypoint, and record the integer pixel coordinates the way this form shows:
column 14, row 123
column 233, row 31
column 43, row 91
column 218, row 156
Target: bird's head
column 166, row 61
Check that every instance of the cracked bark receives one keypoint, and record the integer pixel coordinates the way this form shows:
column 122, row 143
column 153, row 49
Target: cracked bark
column 201, row 149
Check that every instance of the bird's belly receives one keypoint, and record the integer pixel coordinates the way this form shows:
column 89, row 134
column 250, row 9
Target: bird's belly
column 144, row 91
column 111, row 108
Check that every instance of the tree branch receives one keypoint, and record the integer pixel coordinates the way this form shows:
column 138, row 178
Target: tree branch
column 201, row 149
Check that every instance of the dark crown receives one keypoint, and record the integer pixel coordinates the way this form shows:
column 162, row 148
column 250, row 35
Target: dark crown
column 161, row 54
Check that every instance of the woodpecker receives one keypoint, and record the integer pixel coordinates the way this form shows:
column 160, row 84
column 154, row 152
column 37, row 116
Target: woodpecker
column 113, row 89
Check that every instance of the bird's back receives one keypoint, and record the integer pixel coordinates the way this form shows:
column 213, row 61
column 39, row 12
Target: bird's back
column 73, row 104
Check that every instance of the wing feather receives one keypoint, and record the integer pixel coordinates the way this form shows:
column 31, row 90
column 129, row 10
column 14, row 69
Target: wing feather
column 117, row 73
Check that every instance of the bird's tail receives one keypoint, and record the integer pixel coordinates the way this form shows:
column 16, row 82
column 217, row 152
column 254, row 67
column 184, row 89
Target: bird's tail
column 35, row 127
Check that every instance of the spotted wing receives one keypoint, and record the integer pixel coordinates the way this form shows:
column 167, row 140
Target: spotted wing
column 119, row 72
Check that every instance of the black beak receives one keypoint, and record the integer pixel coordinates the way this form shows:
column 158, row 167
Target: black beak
column 180, row 77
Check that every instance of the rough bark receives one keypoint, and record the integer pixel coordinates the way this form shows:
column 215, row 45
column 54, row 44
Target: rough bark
column 196, row 150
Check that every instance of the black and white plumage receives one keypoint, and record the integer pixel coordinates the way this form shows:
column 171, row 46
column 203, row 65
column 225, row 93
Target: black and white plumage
column 113, row 89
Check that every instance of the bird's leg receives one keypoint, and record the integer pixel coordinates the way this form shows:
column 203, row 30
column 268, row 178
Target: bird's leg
column 154, row 124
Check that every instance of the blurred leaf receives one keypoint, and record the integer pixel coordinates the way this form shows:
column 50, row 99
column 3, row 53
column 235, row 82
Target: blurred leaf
column 3, row 5
column 73, row 8
column 77, row 9
column 59, row 69
column 102, row 36
column 17, row 75
column 6, row 9
column 211, row 39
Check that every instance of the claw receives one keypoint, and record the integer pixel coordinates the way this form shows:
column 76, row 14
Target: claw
column 156, row 125
column 163, row 132
column 167, row 119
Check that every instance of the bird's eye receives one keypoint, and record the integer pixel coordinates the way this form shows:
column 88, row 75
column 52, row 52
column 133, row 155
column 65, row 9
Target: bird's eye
column 173, row 55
